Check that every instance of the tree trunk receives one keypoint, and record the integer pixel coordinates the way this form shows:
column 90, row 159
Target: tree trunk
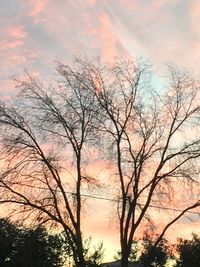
column 124, row 261
column 124, row 258
column 81, row 260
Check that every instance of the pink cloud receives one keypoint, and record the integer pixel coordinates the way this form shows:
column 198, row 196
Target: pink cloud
column 195, row 9
column 149, row 7
column 6, row 44
column 17, row 32
column 156, row 5
column 107, row 37
column 91, row 2
column 12, row 37
column 131, row 5
column 36, row 7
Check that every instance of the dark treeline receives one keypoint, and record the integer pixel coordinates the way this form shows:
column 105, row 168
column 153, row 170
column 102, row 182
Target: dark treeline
column 36, row 247
column 26, row 247
column 21, row 247
column 185, row 253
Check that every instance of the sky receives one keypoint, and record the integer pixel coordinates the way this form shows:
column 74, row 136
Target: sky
column 35, row 33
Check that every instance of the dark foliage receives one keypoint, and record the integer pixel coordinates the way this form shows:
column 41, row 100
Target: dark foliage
column 154, row 256
column 29, row 247
column 189, row 251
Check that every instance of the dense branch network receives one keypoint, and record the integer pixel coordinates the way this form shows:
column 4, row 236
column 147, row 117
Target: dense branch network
column 151, row 139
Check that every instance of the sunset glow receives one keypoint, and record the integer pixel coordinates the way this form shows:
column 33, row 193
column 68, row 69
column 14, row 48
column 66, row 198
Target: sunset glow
column 34, row 34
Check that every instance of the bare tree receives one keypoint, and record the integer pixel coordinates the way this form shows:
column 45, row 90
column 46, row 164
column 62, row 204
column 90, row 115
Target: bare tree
column 151, row 138
column 44, row 136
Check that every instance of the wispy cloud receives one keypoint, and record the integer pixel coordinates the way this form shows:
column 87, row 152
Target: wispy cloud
column 17, row 32
column 107, row 37
column 36, row 7
column 7, row 44
column 12, row 37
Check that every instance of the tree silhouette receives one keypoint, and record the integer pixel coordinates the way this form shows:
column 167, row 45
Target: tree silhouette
column 145, row 134
column 47, row 132
column 20, row 247
column 9, row 237
column 151, row 256
column 189, row 252
column 43, row 143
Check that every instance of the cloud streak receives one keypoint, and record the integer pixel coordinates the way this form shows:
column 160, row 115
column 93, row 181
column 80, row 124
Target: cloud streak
column 36, row 7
